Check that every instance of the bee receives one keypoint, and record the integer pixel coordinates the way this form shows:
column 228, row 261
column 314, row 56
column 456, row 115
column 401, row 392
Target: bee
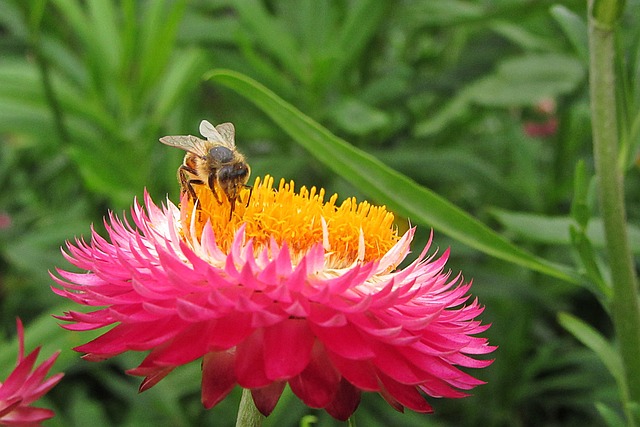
column 215, row 162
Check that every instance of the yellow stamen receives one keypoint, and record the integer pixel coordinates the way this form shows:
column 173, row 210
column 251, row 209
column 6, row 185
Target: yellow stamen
column 349, row 232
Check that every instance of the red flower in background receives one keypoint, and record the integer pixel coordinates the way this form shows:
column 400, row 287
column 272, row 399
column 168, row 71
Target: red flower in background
column 292, row 290
column 541, row 121
column 24, row 386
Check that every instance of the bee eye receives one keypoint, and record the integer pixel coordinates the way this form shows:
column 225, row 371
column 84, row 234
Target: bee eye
column 232, row 172
column 225, row 173
column 221, row 154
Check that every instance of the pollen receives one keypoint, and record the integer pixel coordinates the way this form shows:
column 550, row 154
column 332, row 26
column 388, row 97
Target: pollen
column 349, row 232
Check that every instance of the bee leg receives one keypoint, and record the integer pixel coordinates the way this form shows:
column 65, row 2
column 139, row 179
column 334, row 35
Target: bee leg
column 250, row 193
column 186, row 183
column 212, row 184
column 239, row 197
column 233, row 207
column 192, row 192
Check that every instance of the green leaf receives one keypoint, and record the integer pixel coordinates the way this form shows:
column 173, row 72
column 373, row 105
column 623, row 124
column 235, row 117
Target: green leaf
column 382, row 183
column 36, row 250
column 358, row 118
column 106, row 41
column 178, row 81
column 66, row 60
column 527, row 79
column 596, row 342
column 580, row 211
column 581, row 214
column 36, row 13
column 361, row 24
column 575, row 29
column 102, row 171
column 197, row 28
column 527, row 40
column 12, row 20
column 455, row 108
column 589, row 260
column 446, row 12
column 76, row 19
column 634, row 410
column 555, row 229
column 519, row 81
column 271, row 34
column 609, row 415
column 158, row 31
column 85, row 410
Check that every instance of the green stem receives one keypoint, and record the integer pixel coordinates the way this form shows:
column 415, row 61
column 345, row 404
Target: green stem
column 624, row 304
column 248, row 414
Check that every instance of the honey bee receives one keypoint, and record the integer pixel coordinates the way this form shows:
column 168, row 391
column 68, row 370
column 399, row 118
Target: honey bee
column 215, row 162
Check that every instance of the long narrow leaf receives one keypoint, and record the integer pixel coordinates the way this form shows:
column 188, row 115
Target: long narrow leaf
column 104, row 25
column 157, row 37
column 178, row 81
column 382, row 183
column 592, row 339
column 574, row 28
column 271, row 34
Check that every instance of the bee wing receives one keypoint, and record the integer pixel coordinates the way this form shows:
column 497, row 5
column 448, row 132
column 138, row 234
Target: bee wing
column 228, row 133
column 189, row 143
column 209, row 131
column 224, row 133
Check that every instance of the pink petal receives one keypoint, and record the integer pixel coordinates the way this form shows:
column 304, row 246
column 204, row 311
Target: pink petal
column 249, row 367
column 318, row 384
column 405, row 395
column 218, row 377
column 345, row 341
column 396, row 367
column 19, row 375
column 266, row 398
column 152, row 378
column 26, row 416
column 287, row 348
column 185, row 347
column 9, row 404
column 229, row 331
column 345, row 403
column 360, row 373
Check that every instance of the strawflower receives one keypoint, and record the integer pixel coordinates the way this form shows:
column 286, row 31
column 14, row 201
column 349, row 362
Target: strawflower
column 292, row 290
column 24, row 386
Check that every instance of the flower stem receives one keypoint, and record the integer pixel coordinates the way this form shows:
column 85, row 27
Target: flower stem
column 248, row 414
column 610, row 175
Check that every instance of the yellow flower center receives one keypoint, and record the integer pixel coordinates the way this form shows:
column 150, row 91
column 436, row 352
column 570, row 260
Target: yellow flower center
column 350, row 232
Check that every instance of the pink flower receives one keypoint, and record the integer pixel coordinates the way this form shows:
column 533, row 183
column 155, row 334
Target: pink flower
column 544, row 129
column 24, row 386
column 5, row 220
column 292, row 290
column 542, row 120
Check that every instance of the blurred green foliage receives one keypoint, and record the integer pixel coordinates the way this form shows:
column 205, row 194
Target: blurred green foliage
column 484, row 102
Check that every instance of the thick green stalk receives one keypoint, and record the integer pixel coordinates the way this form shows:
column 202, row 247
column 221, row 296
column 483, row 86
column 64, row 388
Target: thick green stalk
column 248, row 414
column 625, row 307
